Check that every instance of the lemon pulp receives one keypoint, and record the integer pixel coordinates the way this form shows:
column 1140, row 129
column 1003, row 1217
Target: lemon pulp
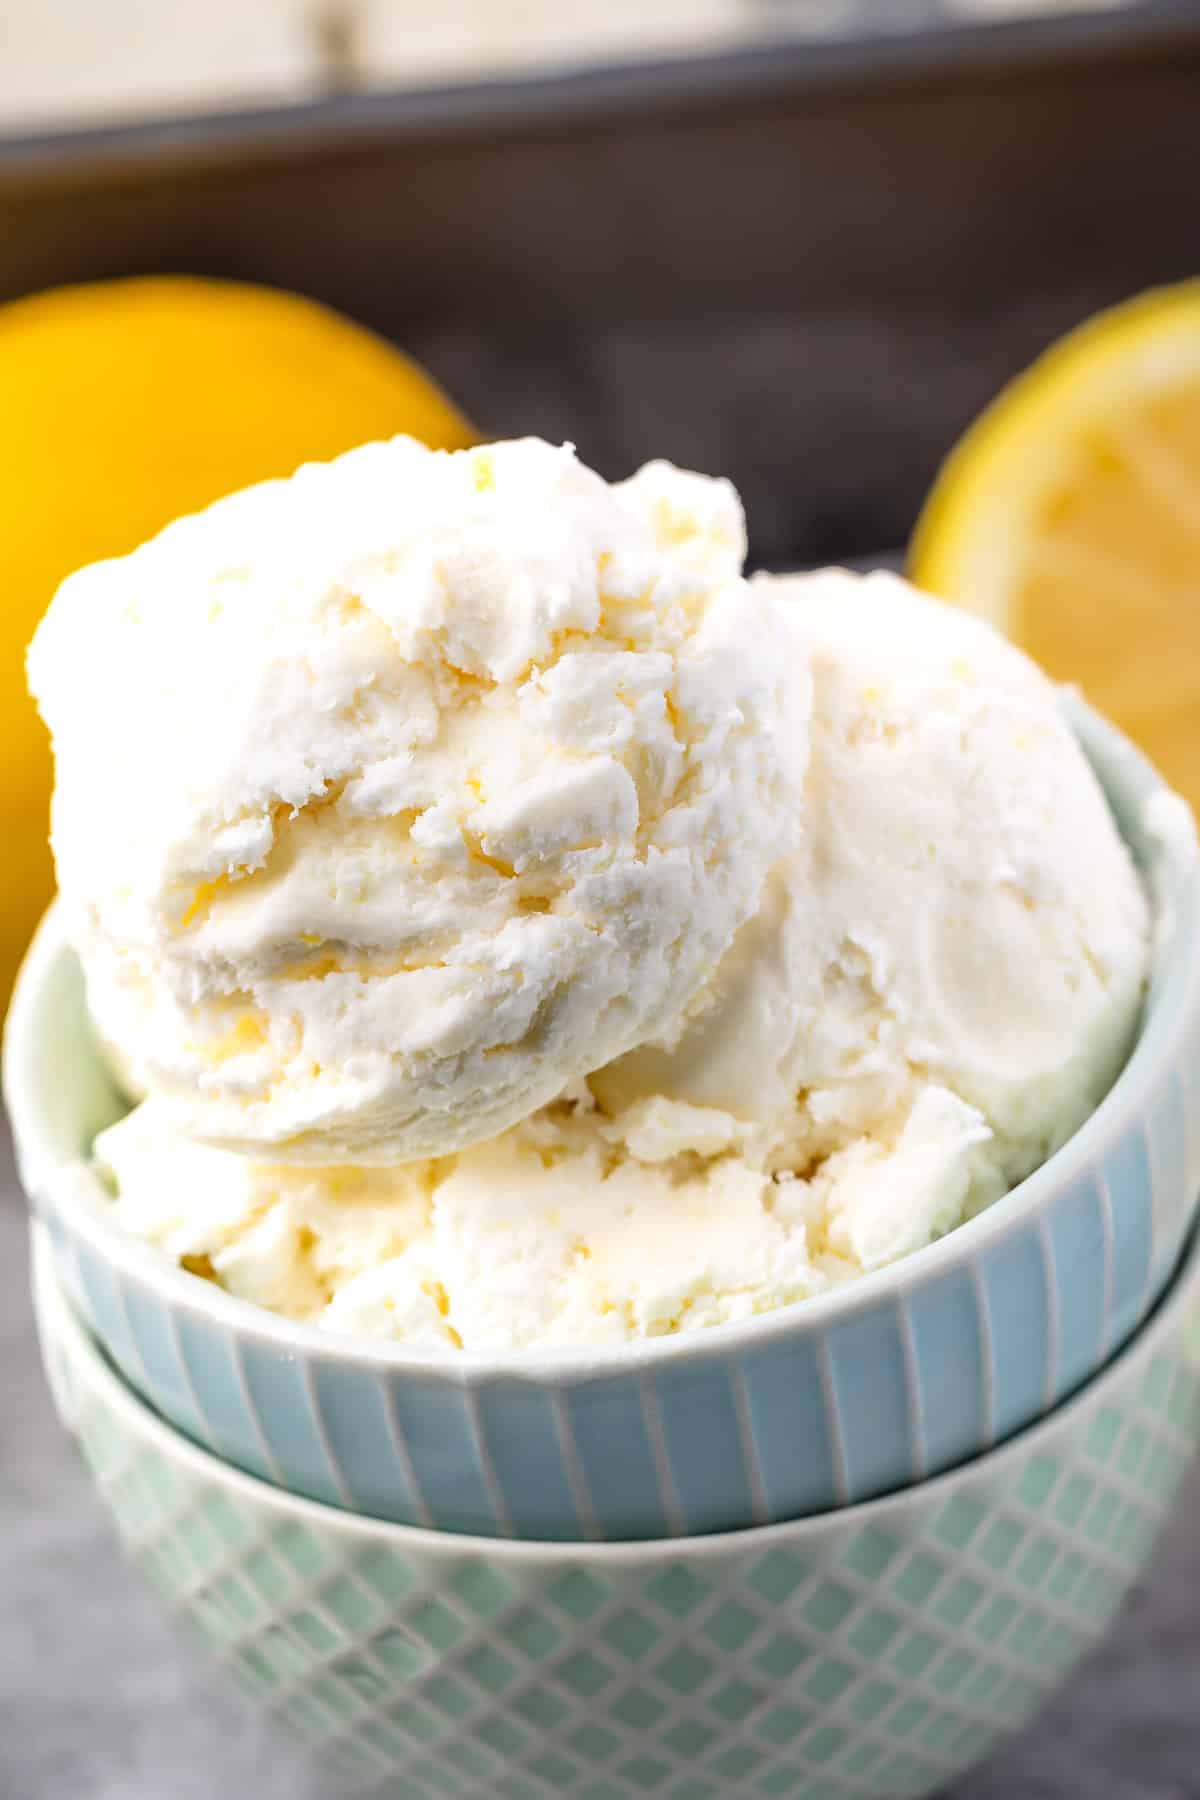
column 1070, row 515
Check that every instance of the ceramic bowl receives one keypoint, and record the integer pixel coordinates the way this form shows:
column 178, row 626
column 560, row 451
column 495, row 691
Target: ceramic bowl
column 906, row 1373
column 877, row 1650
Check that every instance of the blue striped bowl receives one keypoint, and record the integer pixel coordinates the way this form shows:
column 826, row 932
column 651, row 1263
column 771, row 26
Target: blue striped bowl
column 904, row 1374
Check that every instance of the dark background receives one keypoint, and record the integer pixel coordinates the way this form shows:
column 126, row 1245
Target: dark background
column 807, row 268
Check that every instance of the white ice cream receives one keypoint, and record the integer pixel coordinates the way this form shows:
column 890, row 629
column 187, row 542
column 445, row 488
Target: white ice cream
column 961, row 911
column 940, row 982
column 394, row 797
column 555, row 1233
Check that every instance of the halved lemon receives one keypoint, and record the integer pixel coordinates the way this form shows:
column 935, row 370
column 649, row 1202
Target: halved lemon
column 1069, row 515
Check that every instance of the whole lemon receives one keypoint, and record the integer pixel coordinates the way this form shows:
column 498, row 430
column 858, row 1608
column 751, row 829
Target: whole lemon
column 127, row 403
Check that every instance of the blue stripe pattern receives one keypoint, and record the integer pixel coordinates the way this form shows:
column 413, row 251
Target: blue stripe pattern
column 866, row 1359
column 1014, row 1279
column 609, row 1427
column 704, row 1444
column 947, row 1332
column 230, row 1428
column 1077, row 1233
column 277, row 1389
column 1128, row 1175
column 358, row 1431
column 438, row 1427
column 527, row 1459
column 790, row 1422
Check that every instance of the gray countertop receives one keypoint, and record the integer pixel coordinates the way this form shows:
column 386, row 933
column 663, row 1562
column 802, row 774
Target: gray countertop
column 99, row 1701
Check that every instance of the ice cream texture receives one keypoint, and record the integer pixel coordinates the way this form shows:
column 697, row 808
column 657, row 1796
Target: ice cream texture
column 392, row 798
column 937, row 982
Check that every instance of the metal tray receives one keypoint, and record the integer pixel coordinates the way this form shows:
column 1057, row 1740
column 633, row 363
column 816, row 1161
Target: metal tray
column 804, row 265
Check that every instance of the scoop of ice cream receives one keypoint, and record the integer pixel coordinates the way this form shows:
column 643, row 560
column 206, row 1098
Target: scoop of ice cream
column 961, row 912
column 940, row 981
column 554, row 1233
column 394, row 797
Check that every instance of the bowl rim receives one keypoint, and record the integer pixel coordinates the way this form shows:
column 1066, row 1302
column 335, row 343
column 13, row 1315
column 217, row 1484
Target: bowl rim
column 57, row 1321
column 1171, row 870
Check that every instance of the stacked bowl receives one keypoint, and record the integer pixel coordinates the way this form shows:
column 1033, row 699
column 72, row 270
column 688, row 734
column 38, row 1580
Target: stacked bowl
column 834, row 1550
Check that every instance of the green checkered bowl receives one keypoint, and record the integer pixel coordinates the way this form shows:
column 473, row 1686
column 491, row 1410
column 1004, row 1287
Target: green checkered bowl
column 877, row 1650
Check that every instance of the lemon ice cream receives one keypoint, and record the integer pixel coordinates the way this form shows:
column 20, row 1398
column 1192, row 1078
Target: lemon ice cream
column 961, row 911
column 393, row 798
column 939, row 979
column 572, row 1228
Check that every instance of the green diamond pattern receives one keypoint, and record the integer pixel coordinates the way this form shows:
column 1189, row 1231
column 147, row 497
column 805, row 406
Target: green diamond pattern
column 736, row 1700
column 503, row 1736
column 631, row 1634
column 300, row 1548
column 638, row 1709
column 312, row 1630
column 677, row 1591
column 689, row 1738
column 783, row 1723
column 554, row 1769
column 483, row 1590
column 684, row 1670
column 265, row 1574
column 578, row 1593
column 646, row 1773
column 829, row 1681
column 490, row 1668
column 540, row 1707
column 399, row 1652
column 584, row 1674
column 873, row 1632
column 437, row 1623
column 783, row 1655
column 918, row 1578
column 778, row 1576
column 229, row 1526
column 737, row 1763
column 828, row 1606
column 533, row 1633
column 956, row 1605
column 451, row 1696
column 880, row 1661
column 959, row 1520
column 385, row 1574
column 730, row 1625
column 870, row 1553
column 350, row 1604
column 1003, row 1538
column 467, row 1759
column 594, row 1742
column 870, row 1699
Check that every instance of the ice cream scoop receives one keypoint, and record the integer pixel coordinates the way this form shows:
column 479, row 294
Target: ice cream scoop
column 395, row 797
column 961, row 910
column 941, row 980
column 569, row 1229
